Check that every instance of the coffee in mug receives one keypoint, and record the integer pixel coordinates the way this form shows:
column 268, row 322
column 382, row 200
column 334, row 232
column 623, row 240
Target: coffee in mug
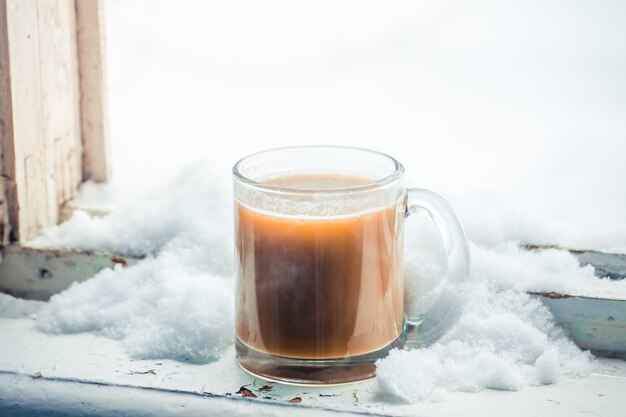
column 319, row 235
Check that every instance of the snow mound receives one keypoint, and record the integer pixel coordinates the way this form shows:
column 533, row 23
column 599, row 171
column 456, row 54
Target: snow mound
column 176, row 303
column 16, row 308
column 503, row 340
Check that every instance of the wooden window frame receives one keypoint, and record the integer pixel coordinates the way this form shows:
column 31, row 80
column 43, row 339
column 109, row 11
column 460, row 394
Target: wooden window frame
column 53, row 132
column 53, row 136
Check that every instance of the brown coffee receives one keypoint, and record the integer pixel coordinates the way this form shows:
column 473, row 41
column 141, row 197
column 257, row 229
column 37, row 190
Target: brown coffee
column 319, row 287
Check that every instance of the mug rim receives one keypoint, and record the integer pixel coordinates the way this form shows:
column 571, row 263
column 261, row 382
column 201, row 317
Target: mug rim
column 396, row 174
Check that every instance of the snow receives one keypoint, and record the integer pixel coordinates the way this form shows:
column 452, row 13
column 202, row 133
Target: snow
column 13, row 308
column 502, row 340
column 187, row 204
column 510, row 266
column 177, row 303
column 512, row 111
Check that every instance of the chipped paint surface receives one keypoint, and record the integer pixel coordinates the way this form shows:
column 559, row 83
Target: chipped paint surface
column 37, row 273
column 597, row 324
column 552, row 295
column 89, row 360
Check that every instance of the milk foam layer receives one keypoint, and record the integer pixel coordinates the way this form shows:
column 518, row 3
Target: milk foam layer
column 318, row 195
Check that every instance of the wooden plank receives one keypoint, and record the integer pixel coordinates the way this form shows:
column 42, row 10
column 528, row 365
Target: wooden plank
column 89, row 21
column 6, row 129
column 60, row 113
column 611, row 265
column 80, row 361
column 596, row 324
column 39, row 273
column 40, row 115
column 60, row 94
column 24, row 146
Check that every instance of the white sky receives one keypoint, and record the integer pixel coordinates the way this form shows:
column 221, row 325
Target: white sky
column 514, row 111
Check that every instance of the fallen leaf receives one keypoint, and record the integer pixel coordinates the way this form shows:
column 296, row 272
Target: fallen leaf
column 246, row 392
column 151, row 371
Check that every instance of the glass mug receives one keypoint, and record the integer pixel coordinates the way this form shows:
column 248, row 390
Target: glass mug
column 319, row 236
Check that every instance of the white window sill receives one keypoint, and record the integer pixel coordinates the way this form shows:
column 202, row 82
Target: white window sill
column 88, row 374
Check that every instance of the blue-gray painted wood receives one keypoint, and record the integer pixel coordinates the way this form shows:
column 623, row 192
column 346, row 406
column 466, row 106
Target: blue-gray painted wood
column 611, row 265
column 596, row 324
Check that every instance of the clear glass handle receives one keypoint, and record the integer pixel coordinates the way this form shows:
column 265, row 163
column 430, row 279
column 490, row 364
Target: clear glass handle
column 424, row 329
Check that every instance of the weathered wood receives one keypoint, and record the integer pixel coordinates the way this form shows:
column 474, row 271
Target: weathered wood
column 60, row 94
column 610, row 265
column 39, row 273
column 6, row 128
column 92, row 86
column 79, row 362
column 597, row 324
column 45, row 104
column 26, row 166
